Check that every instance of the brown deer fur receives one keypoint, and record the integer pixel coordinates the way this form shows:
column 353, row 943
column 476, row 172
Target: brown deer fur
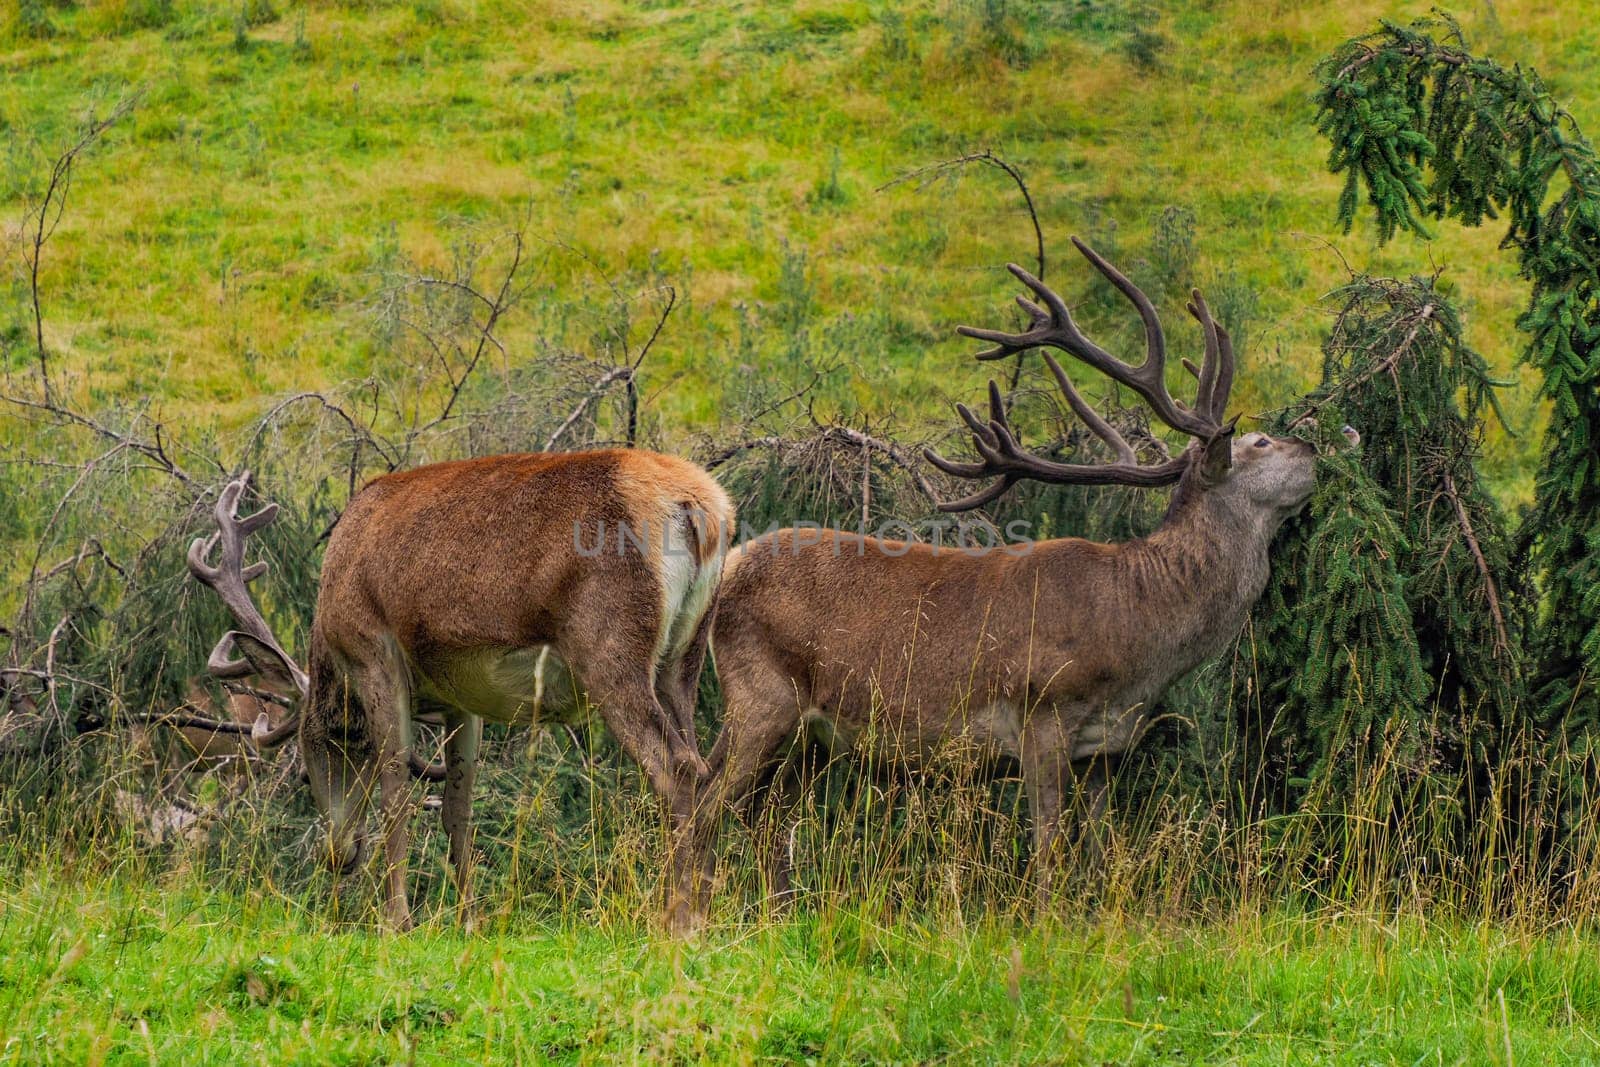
column 213, row 749
column 501, row 588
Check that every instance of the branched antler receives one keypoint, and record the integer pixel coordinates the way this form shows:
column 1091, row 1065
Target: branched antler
column 1052, row 325
column 252, row 649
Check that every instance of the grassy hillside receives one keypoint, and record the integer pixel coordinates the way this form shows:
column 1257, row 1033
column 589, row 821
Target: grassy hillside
column 217, row 248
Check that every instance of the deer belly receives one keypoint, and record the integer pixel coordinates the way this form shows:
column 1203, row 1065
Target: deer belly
column 987, row 737
column 520, row 686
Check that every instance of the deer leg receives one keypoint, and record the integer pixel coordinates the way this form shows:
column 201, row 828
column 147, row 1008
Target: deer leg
column 463, row 733
column 692, row 813
column 1047, row 777
column 778, row 803
column 678, row 683
column 761, row 713
column 634, row 714
column 620, row 675
column 395, row 785
column 687, row 877
column 1092, row 786
column 694, row 863
column 386, row 693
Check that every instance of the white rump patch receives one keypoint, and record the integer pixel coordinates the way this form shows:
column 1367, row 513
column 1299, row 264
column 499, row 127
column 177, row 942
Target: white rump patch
column 686, row 588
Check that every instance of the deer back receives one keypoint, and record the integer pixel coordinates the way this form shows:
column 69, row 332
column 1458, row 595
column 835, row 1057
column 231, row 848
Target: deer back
column 501, row 552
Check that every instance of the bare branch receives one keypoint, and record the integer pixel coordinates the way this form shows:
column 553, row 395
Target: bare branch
column 596, row 391
column 849, row 436
column 497, row 306
column 989, row 159
column 46, row 216
column 1502, row 643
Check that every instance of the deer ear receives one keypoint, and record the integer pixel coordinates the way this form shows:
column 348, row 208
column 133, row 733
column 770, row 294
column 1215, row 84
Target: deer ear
column 263, row 660
column 1217, row 457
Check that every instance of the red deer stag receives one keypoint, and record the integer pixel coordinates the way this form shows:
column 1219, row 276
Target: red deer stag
column 1049, row 654
column 517, row 588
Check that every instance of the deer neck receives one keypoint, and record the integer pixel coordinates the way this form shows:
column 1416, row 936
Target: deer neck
column 1207, row 562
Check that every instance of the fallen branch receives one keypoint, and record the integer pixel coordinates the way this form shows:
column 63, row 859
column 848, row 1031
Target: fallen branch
column 842, row 434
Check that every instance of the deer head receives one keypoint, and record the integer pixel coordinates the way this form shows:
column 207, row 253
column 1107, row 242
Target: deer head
column 252, row 650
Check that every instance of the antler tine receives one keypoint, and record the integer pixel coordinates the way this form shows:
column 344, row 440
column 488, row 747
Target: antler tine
column 976, row 500
column 1223, row 386
column 229, row 579
column 1149, row 378
column 1002, row 457
column 1208, row 402
column 1153, row 369
column 1101, row 428
column 1051, row 324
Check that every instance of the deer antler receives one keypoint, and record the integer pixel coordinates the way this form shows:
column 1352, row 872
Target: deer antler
column 1052, row 325
column 251, row 649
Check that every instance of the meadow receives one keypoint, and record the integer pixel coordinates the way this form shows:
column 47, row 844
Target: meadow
column 292, row 186
column 172, row 971
column 219, row 246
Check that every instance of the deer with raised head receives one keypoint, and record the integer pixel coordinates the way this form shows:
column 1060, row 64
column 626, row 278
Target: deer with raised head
column 1047, row 654
column 522, row 589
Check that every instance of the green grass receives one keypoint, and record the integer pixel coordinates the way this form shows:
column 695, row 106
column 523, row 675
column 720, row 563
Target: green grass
column 280, row 151
column 170, row 970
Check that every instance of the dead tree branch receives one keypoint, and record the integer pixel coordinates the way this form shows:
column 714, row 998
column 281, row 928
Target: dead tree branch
column 43, row 219
column 504, row 298
column 926, row 174
column 833, row 434
column 1502, row 643
column 625, row 372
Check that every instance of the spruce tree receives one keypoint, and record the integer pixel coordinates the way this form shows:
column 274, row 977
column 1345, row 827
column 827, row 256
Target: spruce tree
column 1431, row 131
column 1395, row 596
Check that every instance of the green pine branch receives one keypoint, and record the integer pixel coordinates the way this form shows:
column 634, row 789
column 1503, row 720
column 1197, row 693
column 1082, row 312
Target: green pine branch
column 1431, row 131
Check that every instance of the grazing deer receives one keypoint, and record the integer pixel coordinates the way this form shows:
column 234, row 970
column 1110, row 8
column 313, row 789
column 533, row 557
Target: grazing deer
column 517, row 588
column 1049, row 654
